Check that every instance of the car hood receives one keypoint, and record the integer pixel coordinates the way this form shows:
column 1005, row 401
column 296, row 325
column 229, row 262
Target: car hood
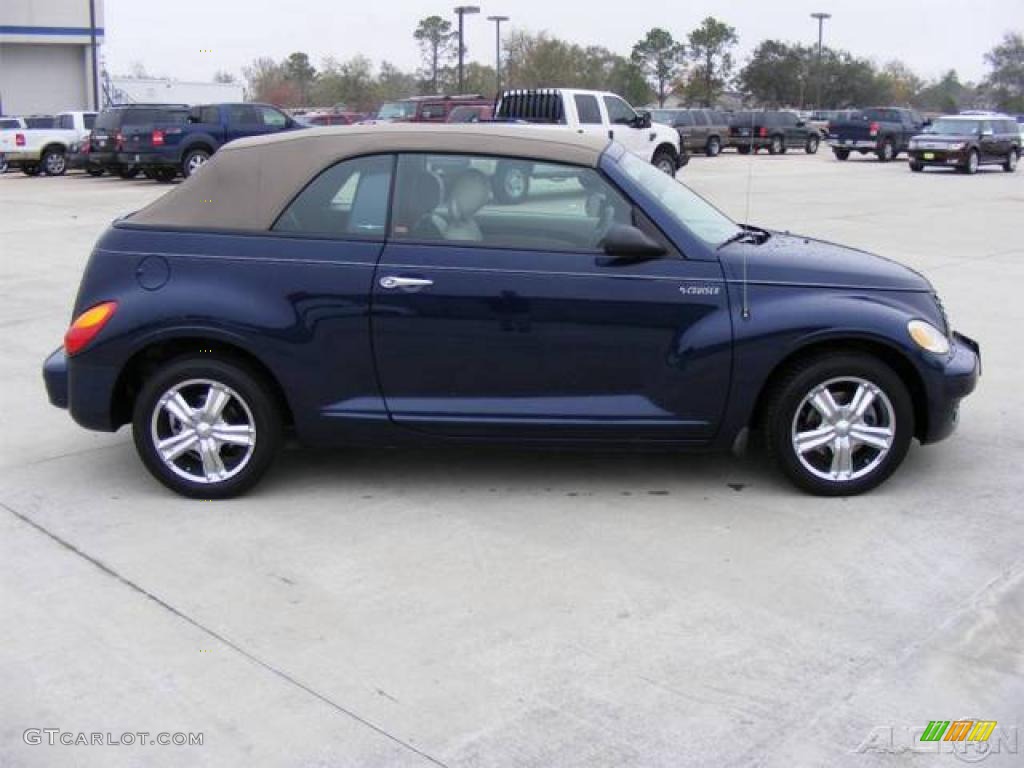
column 786, row 259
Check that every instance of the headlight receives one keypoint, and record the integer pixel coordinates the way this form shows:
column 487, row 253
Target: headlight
column 928, row 337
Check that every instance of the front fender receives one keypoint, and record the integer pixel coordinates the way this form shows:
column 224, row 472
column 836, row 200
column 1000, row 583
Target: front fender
column 785, row 321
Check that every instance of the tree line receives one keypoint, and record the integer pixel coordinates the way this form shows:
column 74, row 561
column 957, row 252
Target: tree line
column 698, row 69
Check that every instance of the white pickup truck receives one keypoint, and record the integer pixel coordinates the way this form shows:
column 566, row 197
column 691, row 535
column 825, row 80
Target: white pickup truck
column 599, row 113
column 45, row 150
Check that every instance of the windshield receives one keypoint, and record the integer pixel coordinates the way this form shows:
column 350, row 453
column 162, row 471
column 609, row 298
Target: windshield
column 954, row 126
column 396, row 110
column 686, row 206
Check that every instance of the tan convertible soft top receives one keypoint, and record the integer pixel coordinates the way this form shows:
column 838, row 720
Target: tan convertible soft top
column 249, row 182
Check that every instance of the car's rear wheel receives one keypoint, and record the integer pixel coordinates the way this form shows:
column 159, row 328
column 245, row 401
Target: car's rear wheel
column 973, row 161
column 811, row 148
column 94, row 172
column 840, row 424
column 743, row 149
column 777, row 146
column 887, row 152
column 713, row 147
column 1011, row 162
column 511, row 183
column 206, row 427
column 3, row 164
column 31, row 169
column 165, row 175
column 128, row 172
column 841, row 154
column 54, row 162
column 194, row 160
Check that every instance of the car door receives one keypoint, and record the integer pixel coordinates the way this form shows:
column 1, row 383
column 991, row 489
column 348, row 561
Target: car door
column 588, row 114
column 243, row 120
column 508, row 321
column 622, row 121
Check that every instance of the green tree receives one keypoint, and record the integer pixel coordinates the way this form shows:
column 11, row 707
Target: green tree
column 438, row 44
column 349, row 82
column 899, row 84
column 393, row 83
column 1005, row 83
column 710, row 49
column 299, row 71
column 661, row 59
column 947, row 94
column 776, row 73
column 223, row 76
column 266, row 80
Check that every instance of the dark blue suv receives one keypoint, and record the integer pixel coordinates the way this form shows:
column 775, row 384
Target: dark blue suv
column 364, row 285
column 163, row 148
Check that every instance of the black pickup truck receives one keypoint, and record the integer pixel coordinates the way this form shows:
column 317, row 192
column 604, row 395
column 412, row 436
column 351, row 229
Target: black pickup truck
column 886, row 131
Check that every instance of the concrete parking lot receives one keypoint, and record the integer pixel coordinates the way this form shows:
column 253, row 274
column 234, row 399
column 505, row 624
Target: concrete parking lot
column 474, row 608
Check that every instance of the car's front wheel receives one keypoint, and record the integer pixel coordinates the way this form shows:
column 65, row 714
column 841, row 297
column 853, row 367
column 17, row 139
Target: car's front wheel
column 916, row 166
column 206, row 428
column 31, row 169
column 665, row 162
column 811, row 148
column 713, row 147
column 840, row 424
column 971, row 166
column 777, row 146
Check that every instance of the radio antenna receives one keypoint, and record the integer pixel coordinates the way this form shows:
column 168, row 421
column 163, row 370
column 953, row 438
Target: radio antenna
column 744, row 289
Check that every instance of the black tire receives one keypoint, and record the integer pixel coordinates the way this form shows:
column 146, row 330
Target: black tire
column 250, row 398
column 1011, row 161
column 666, row 162
column 128, row 172
column 54, row 162
column 31, row 169
column 787, row 406
column 165, row 175
column 811, row 147
column 149, row 173
column 971, row 166
column 887, row 152
column 3, row 164
column 714, row 147
column 777, row 146
column 916, row 167
column 94, row 172
column 841, row 154
column 193, row 160
column 684, row 159
column 743, row 149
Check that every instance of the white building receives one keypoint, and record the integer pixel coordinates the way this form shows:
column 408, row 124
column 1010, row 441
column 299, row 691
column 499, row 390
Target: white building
column 47, row 55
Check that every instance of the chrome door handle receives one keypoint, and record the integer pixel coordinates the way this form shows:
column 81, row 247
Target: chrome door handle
column 404, row 282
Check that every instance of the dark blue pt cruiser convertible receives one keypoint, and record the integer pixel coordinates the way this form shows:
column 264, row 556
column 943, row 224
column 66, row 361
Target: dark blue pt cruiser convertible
column 365, row 285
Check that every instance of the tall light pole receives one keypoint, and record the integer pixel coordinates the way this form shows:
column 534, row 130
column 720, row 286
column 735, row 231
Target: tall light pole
column 93, row 57
column 497, row 50
column 462, row 11
column 821, row 31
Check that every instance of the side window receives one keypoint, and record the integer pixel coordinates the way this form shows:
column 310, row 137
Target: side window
column 452, row 199
column 700, row 117
column 272, row 118
column 619, row 112
column 89, row 121
column 244, row 116
column 684, row 119
column 588, row 109
column 348, row 200
column 209, row 115
column 433, row 111
column 65, row 122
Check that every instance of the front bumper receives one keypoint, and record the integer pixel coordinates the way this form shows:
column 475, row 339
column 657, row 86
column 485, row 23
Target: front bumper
column 938, row 157
column 954, row 379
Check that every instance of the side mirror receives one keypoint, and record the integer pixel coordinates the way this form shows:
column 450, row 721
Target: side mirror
column 801, row 123
column 927, row 123
column 643, row 119
column 626, row 243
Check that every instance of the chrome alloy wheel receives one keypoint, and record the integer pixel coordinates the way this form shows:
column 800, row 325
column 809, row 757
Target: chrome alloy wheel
column 843, row 429
column 203, row 431
column 196, row 161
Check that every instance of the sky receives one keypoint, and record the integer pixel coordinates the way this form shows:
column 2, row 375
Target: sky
column 195, row 38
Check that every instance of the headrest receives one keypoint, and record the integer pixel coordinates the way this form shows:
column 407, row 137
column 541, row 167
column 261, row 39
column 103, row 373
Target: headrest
column 470, row 193
column 421, row 193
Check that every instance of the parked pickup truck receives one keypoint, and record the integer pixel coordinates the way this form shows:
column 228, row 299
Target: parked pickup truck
column 45, row 150
column 886, row 131
column 597, row 113
column 162, row 149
